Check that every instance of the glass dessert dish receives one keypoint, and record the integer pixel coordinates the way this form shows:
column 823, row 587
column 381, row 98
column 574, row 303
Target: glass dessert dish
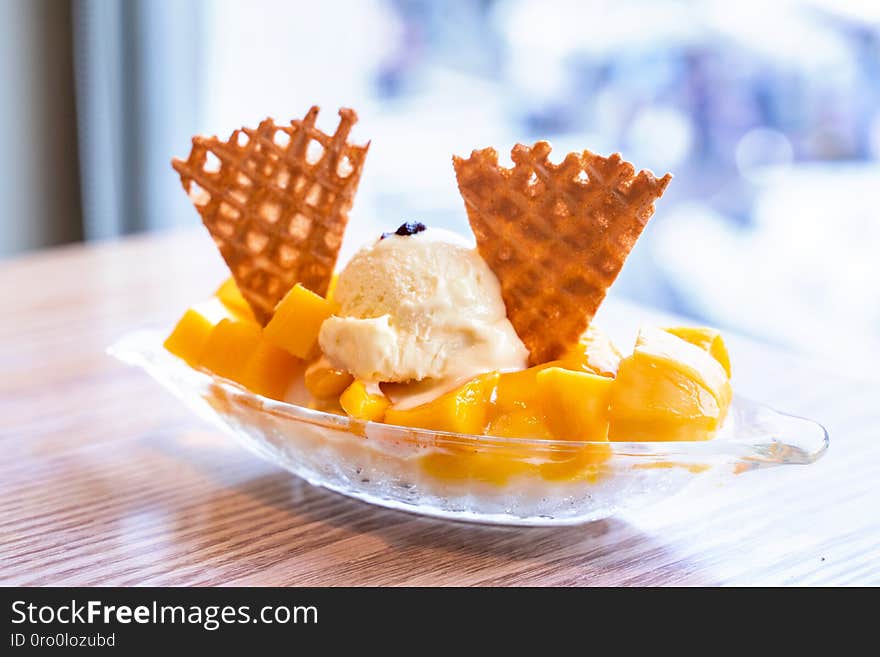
column 469, row 477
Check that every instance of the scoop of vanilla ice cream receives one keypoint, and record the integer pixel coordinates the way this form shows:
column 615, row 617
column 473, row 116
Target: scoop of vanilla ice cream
column 421, row 306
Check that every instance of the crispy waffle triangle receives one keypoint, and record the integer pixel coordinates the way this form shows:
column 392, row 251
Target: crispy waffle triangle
column 276, row 201
column 555, row 235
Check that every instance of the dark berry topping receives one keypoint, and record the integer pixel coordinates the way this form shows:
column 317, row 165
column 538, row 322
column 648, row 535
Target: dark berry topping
column 409, row 228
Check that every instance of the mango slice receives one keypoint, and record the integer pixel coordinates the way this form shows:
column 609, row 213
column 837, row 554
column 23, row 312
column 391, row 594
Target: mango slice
column 575, row 403
column 517, row 411
column 668, row 389
column 464, row 410
column 594, row 352
column 189, row 337
column 269, row 371
column 323, row 381
column 360, row 403
column 706, row 339
column 297, row 321
column 519, row 390
column 230, row 296
column 228, row 348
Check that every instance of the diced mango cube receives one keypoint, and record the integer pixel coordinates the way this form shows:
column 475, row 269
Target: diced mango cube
column 270, row 370
column 584, row 463
column 230, row 296
column 706, row 339
column 668, row 389
column 229, row 347
column 575, row 403
column 520, row 423
column 362, row 404
column 189, row 337
column 464, row 410
column 323, row 381
column 594, row 352
column 297, row 321
column 519, row 390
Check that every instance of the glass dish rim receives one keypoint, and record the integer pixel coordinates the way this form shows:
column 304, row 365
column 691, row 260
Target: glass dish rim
column 766, row 449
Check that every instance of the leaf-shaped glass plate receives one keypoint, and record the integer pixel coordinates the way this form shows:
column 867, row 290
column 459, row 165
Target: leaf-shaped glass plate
column 475, row 478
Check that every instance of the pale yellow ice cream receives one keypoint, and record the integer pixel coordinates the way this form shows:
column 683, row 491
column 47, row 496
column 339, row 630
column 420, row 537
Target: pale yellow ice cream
column 416, row 307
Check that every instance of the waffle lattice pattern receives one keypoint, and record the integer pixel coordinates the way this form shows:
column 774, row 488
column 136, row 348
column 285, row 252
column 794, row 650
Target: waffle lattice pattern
column 276, row 201
column 555, row 235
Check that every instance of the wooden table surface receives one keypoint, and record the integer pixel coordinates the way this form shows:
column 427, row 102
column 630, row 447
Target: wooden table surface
column 106, row 479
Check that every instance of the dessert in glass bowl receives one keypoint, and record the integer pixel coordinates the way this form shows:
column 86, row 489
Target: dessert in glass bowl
column 434, row 375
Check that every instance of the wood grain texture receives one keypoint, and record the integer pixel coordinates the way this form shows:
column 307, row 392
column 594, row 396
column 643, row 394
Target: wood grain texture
column 106, row 479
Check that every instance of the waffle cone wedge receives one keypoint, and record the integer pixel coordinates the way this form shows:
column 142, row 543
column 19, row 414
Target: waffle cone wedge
column 276, row 200
column 556, row 236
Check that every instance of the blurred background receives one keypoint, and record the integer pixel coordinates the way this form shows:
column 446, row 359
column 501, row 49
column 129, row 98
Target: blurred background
column 767, row 113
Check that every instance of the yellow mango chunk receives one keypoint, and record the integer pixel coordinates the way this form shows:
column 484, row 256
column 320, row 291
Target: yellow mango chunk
column 517, row 411
column 229, row 347
column 188, row 339
column 520, row 423
column 706, row 339
column 323, row 381
column 230, row 296
column 360, row 403
column 594, row 352
column 575, row 403
column 270, row 370
column 464, row 410
column 668, row 389
column 297, row 321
